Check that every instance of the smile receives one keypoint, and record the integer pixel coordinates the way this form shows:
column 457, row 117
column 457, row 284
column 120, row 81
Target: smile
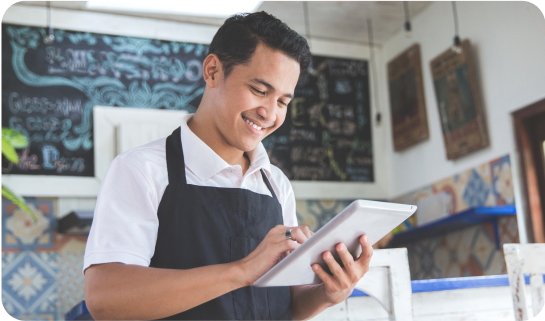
column 252, row 124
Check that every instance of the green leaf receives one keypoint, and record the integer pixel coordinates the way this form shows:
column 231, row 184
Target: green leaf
column 9, row 151
column 16, row 139
column 19, row 201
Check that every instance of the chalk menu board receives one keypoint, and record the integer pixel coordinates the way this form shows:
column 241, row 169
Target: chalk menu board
column 48, row 91
column 327, row 132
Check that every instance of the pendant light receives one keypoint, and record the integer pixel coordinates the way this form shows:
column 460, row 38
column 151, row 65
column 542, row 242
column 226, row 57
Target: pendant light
column 407, row 25
column 49, row 37
column 456, row 47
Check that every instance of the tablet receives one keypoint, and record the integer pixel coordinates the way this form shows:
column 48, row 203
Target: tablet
column 375, row 219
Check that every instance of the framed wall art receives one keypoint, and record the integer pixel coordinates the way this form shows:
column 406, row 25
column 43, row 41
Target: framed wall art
column 407, row 103
column 459, row 102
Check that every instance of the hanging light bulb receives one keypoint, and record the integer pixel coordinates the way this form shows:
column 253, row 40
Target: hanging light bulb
column 456, row 46
column 49, row 37
column 407, row 25
column 408, row 32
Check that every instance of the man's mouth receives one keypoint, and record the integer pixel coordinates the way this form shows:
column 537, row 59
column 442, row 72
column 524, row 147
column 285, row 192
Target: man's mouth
column 249, row 122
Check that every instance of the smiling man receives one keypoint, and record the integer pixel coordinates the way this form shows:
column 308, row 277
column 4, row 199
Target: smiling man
column 185, row 225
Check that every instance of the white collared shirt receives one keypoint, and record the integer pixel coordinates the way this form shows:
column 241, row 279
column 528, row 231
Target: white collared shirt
column 125, row 221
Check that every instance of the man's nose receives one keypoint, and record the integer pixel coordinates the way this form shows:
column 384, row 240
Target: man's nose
column 268, row 111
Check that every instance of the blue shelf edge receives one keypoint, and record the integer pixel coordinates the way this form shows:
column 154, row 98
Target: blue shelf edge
column 445, row 284
column 453, row 222
column 79, row 312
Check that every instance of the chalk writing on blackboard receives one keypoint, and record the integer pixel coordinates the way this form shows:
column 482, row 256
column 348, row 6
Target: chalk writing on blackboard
column 49, row 91
column 327, row 132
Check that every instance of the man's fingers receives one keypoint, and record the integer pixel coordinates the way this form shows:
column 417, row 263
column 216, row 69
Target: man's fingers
column 322, row 274
column 306, row 230
column 332, row 264
column 348, row 262
column 366, row 252
column 298, row 235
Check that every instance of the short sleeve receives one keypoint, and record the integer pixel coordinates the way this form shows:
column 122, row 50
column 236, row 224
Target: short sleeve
column 125, row 222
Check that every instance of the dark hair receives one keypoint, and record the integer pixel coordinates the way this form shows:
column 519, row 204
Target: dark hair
column 238, row 37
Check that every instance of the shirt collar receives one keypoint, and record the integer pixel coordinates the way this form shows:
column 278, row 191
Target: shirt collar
column 205, row 163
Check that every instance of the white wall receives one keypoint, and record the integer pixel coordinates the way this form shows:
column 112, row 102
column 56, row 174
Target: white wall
column 508, row 39
column 177, row 31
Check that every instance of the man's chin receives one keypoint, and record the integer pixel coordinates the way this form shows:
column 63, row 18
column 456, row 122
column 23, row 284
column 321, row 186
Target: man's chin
column 249, row 146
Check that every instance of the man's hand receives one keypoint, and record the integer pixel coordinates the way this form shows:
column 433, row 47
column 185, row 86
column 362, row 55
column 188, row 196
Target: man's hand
column 271, row 250
column 337, row 287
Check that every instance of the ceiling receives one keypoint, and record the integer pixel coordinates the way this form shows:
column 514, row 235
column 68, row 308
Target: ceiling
column 328, row 20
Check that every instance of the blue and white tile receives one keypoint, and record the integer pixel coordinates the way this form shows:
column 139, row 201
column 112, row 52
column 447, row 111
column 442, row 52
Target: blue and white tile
column 71, row 285
column 502, row 181
column 476, row 191
column 30, row 282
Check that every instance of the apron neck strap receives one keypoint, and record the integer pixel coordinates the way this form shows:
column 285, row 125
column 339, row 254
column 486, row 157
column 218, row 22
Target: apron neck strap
column 266, row 180
column 175, row 159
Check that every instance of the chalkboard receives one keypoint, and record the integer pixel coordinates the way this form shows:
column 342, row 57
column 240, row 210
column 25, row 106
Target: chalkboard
column 327, row 132
column 48, row 91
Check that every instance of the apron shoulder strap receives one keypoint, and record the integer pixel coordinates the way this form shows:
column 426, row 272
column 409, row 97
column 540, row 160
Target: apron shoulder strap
column 266, row 180
column 175, row 159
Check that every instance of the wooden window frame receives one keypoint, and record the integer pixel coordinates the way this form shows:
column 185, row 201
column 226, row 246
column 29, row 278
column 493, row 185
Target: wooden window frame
column 532, row 182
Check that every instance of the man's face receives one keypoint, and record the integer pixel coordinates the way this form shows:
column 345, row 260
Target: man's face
column 253, row 100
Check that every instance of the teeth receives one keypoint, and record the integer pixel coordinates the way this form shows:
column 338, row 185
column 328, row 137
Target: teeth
column 252, row 124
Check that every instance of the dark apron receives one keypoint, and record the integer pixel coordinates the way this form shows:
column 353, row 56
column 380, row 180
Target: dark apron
column 201, row 225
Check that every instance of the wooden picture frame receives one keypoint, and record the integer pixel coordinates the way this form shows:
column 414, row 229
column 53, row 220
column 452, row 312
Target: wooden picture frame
column 459, row 101
column 407, row 102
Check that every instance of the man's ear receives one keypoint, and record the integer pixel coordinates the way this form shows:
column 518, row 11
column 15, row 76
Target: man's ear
column 212, row 70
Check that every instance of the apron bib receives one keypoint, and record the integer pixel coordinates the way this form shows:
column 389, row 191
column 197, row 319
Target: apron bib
column 201, row 225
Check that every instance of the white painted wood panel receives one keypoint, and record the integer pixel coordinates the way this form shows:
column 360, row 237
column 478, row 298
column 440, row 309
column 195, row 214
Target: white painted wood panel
column 66, row 205
column 136, row 126
column 486, row 304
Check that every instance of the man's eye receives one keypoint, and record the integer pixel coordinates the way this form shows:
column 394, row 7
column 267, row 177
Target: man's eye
column 257, row 91
column 283, row 103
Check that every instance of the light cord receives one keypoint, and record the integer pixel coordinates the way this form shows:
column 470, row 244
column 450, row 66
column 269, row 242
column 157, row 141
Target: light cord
column 373, row 69
column 407, row 25
column 456, row 32
column 307, row 22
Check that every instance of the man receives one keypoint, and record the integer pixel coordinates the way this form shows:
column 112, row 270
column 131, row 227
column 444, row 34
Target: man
column 185, row 225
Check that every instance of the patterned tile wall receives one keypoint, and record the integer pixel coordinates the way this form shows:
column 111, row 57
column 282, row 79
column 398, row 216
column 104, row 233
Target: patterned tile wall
column 41, row 269
column 472, row 251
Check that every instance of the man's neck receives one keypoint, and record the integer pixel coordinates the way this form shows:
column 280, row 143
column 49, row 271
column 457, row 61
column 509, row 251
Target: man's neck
column 215, row 140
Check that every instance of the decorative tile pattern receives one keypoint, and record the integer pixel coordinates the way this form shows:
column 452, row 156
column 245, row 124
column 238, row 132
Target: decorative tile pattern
column 316, row 213
column 19, row 233
column 476, row 191
column 502, row 182
column 482, row 247
column 421, row 259
column 29, row 283
column 471, row 251
column 71, row 280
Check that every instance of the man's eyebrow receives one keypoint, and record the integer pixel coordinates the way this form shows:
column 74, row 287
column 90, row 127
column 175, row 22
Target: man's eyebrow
column 270, row 87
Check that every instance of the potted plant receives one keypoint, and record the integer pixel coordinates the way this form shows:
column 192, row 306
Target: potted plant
column 12, row 139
